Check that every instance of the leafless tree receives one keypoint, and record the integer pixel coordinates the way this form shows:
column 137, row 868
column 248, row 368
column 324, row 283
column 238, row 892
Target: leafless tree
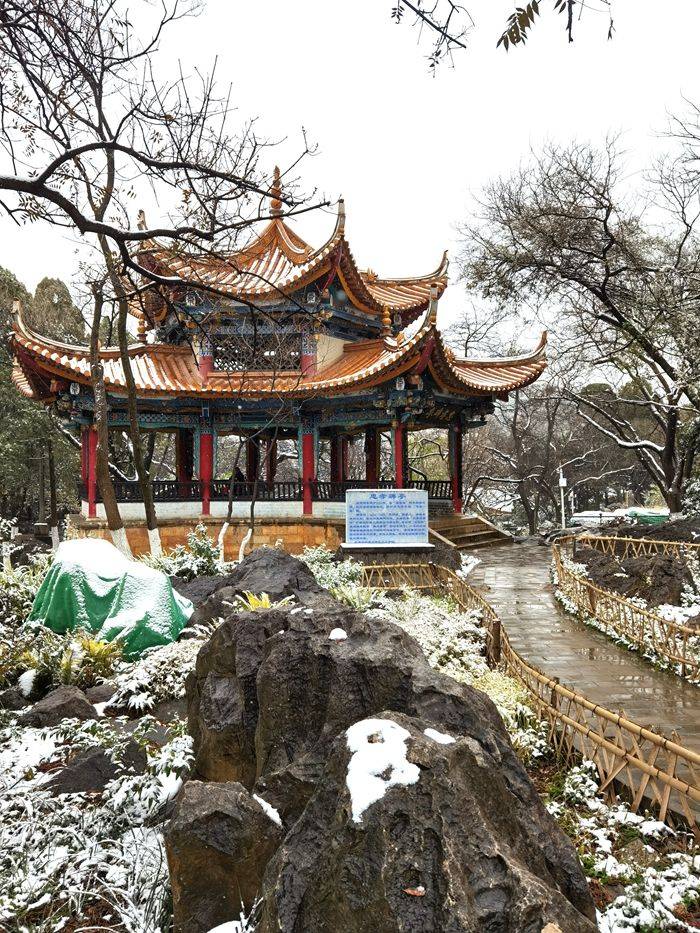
column 617, row 275
column 87, row 126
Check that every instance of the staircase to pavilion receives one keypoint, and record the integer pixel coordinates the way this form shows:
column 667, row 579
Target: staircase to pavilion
column 465, row 532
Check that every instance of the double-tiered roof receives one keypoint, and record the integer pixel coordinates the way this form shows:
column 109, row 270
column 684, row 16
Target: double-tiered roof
column 275, row 266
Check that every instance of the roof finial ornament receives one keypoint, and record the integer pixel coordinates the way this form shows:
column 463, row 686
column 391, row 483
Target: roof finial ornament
column 341, row 215
column 141, row 221
column 433, row 305
column 386, row 322
column 276, row 192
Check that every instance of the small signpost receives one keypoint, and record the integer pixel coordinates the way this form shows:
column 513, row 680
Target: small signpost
column 383, row 519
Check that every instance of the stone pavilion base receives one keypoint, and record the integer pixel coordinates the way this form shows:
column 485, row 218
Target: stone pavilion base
column 295, row 533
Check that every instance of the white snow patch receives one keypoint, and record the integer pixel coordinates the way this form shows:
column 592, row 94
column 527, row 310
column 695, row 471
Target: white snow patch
column 232, row 926
column 100, row 708
column 25, row 681
column 442, row 738
column 338, row 634
column 269, row 809
column 378, row 746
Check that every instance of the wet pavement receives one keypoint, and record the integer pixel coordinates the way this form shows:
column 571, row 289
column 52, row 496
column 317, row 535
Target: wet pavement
column 516, row 581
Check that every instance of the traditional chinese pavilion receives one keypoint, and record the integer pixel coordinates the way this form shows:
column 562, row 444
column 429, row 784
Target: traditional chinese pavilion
column 333, row 354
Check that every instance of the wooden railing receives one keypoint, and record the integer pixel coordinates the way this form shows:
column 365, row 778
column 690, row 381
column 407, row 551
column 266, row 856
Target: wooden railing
column 635, row 763
column 673, row 643
column 262, row 491
column 325, row 491
column 623, row 547
column 245, row 490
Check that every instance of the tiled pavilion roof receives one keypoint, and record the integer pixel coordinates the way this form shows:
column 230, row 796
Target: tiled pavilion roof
column 166, row 371
column 279, row 262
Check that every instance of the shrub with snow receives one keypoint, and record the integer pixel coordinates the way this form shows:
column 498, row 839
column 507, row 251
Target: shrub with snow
column 63, row 856
column 201, row 556
column 158, row 675
column 619, row 847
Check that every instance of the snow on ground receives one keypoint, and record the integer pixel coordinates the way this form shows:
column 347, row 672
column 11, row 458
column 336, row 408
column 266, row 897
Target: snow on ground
column 378, row 747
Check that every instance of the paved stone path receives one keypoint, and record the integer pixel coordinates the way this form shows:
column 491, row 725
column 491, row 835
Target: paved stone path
column 515, row 579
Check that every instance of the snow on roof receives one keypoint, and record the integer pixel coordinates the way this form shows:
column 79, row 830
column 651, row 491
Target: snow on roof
column 378, row 746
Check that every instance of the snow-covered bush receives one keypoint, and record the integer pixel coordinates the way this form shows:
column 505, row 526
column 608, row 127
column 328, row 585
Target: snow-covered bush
column 329, row 571
column 691, row 499
column 158, row 675
column 39, row 659
column 73, row 856
column 618, row 847
column 18, row 587
column 201, row 556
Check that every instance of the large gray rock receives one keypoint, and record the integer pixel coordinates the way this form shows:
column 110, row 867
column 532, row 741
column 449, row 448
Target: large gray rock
column 448, row 853
column 12, row 698
column 61, row 703
column 90, row 770
column 218, row 844
column 271, row 692
column 266, row 570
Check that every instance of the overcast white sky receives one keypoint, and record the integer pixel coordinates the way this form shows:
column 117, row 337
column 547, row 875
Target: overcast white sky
column 409, row 151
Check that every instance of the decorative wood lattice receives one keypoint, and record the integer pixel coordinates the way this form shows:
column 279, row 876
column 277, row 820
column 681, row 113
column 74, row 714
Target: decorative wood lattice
column 677, row 644
column 248, row 352
column 635, row 763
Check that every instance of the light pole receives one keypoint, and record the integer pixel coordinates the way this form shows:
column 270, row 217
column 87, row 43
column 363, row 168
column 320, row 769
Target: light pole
column 562, row 487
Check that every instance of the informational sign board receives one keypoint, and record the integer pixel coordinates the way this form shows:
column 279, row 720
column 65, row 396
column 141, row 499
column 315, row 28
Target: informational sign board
column 386, row 516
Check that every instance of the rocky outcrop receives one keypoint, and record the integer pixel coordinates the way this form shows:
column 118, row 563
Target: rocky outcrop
column 467, row 845
column 219, row 842
column 62, row 703
column 267, row 570
column 442, row 851
column 12, row 698
column 93, row 768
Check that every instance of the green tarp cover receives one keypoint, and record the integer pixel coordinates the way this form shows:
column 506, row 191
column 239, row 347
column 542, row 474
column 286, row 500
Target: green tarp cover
column 93, row 586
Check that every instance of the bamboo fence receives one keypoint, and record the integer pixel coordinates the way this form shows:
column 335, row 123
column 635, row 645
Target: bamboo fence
column 635, row 547
column 635, row 763
column 676, row 644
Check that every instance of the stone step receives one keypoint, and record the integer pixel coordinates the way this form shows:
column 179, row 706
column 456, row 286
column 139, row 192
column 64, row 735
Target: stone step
column 468, row 531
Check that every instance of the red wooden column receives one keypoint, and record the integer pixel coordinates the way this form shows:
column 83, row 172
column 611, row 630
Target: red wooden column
column 336, row 459
column 399, row 439
column 372, row 456
column 345, row 456
column 183, row 455
column 456, row 465
column 252, row 459
column 270, row 460
column 205, row 357
column 307, row 470
column 206, row 468
column 92, row 472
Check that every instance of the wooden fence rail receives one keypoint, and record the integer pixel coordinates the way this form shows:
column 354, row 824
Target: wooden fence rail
column 634, row 762
column 672, row 642
column 623, row 547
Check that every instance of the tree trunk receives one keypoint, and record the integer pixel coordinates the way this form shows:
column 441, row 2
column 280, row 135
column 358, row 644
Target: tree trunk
column 134, row 430
column 104, row 477
column 41, row 497
column 53, row 507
